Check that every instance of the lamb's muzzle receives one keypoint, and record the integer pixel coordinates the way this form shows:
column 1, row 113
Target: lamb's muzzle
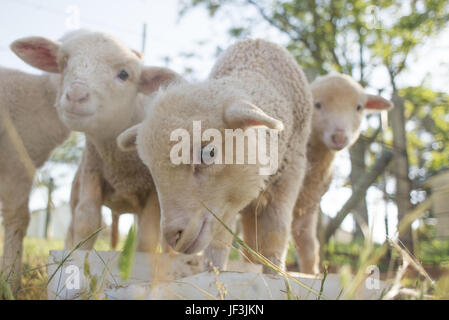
column 187, row 237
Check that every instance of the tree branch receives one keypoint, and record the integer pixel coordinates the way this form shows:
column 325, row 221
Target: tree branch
column 296, row 36
column 359, row 190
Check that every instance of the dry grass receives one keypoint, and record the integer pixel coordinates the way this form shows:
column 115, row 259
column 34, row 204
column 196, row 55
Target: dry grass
column 35, row 260
column 34, row 279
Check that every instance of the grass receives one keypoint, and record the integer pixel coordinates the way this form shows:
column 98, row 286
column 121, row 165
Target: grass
column 431, row 253
column 35, row 260
column 263, row 260
column 370, row 255
column 349, row 260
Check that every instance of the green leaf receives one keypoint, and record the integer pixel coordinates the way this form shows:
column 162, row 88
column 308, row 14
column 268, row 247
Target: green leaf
column 5, row 290
column 126, row 260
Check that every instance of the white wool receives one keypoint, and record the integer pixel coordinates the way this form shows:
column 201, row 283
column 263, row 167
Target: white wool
column 101, row 90
column 29, row 130
column 339, row 108
column 254, row 82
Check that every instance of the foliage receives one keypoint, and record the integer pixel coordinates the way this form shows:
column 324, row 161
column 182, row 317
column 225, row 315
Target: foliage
column 362, row 38
column 433, row 252
column 344, row 35
column 70, row 151
column 442, row 288
column 337, row 254
column 5, row 289
column 126, row 260
column 427, row 112
column 417, row 21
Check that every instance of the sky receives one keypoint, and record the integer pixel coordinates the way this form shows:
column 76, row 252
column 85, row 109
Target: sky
column 170, row 41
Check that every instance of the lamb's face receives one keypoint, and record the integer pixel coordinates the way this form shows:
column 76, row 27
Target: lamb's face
column 100, row 79
column 339, row 107
column 187, row 191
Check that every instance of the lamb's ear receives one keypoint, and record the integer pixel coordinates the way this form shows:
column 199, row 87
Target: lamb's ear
column 377, row 103
column 137, row 53
column 38, row 52
column 242, row 114
column 152, row 78
column 126, row 141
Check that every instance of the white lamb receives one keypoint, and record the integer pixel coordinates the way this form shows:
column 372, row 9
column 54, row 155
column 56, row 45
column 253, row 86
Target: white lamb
column 29, row 130
column 254, row 85
column 339, row 107
column 101, row 93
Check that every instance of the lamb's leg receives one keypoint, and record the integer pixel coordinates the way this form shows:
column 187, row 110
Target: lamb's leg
column 304, row 231
column 273, row 234
column 115, row 230
column 217, row 253
column 249, row 221
column 148, row 226
column 15, row 222
column 87, row 216
column 74, row 199
column 265, row 230
column 274, row 219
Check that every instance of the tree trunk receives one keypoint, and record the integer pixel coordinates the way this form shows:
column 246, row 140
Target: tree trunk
column 401, row 167
column 357, row 153
column 363, row 183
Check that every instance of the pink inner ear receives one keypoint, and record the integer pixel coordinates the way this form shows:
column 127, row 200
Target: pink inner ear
column 253, row 123
column 152, row 83
column 377, row 104
column 137, row 53
column 38, row 55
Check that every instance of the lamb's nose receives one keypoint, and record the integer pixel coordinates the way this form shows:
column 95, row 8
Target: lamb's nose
column 340, row 139
column 77, row 93
column 173, row 238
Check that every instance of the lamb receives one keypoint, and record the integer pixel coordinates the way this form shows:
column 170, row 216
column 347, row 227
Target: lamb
column 29, row 130
column 339, row 107
column 255, row 86
column 101, row 93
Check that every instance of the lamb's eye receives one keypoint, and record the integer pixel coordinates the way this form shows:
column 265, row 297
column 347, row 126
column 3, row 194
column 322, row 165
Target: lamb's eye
column 318, row 105
column 123, row 75
column 359, row 107
column 208, row 154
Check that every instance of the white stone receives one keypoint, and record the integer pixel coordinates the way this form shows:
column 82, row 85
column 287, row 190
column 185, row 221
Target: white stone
column 174, row 276
column 104, row 265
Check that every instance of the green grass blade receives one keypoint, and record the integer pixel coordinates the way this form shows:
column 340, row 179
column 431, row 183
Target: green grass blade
column 266, row 262
column 5, row 290
column 322, row 282
column 126, row 260
column 79, row 245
